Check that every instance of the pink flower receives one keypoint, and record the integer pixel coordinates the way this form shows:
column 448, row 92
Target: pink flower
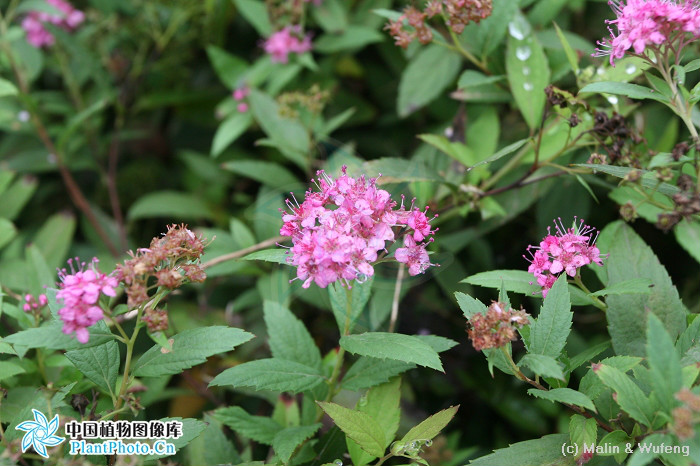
column 654, row 24
column 79, row 292
column 566, row 251
column 339, row 231
column 285, row 41
column 33, row 24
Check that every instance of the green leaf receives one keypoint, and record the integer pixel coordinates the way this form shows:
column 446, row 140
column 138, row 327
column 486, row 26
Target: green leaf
column 288, row 337
column 271, row 374
column 338, row 294
column 564, row 395
column 428, row 74
column 288, row 440
column 634, row 286
column 630, row 397
column 583, row 432
column 255, row 13
column 212, row 447
column 588, row 354
column 617, row 439
column 191, row 429
column 570, row 53
column 648, row 179
column 396, row 346
column 278, row 256
column 550, row 330
column 16, row 196
column 10, row 369
column 8, row 231
column 169, row 204
column 471, row 78
column 368, row 372
column 690, row 337
column 457, row 150
column 190, row 347
column 77, row 122
column 432, row 426
column 286, row 134
column 509, row 149
column 516, row 281
column 544, row 451
column 358, row 426
column 41, row 276
column 229, row 68
column 55, row 237
column 98, row 363
column 688, row 236
column 631, row 258
column 51, row 336
column 229, row 130
column 258, row 428
column 664, row 363
column 437, row 342
column 352, row 38
column 633, row 91
column 469, row 305
column 7, row 88
column 591, row 384
column 396, row 170
column 546, row 366
column 332, row 15
column 268, row 173
column 528, row 75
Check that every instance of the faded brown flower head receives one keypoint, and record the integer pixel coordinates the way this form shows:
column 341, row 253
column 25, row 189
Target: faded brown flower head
column 170, row 261
column 156, row 319
column 684, row 416
column 497, row 327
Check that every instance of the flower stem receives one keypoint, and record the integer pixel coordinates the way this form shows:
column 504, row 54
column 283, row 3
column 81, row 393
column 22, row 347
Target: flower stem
column 596, row 301
column 397, row 297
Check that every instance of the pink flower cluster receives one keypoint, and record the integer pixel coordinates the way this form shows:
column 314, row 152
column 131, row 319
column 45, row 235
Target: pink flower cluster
column 34, row 304
column 239, row 95
column 79, row 292
column 565, row 251
column 33, row 24
column 650, row 23
column 338, row 233
column 285, row 41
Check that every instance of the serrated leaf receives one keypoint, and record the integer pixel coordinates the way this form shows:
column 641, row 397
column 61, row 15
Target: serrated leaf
column 546, row 366
column 592, row 386
column 544, row 451
column 396, row 346
column 429, row 73
column 690, row 337
column 278, row 256
column 633, row 91
column 432, row 426
column 189, row 348
column 288, row 440
column 688, row 235
column 664, row 363
column 359, row 296
column 396, row 170
column 10, row 369
column 271, row 374
column 516, row 281
column 259, row 428
column 648, row 178
column 368, row 372
column 528, row 75
column 615, row 439
column 98, row 363
column 469, row 305
column 509, row 149
column 358, row 426
column 51, row 336
column 169, row 204
column 588, row 354
column 288, row 337
column 268, row 173
column 550, row 330
column 634, row 286
column 629, row 257
column 564, row 395
column 191, row 429
column 212, row 447
column 629, row 396
column 583, row 432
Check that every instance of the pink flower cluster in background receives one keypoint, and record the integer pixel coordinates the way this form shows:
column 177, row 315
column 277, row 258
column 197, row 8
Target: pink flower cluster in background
column 566, row 251
column 33, row 304
column 285, row 41
column 79, row 292
column 34, row 23
column 650, row 23
column 338, row 232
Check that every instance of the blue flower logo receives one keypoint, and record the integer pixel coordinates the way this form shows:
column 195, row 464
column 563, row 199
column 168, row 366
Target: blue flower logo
column 40, row 433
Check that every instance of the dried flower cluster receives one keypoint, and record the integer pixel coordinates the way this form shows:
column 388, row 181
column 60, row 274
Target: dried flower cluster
column 497, row 327
column 686, row 204
column 565, row 251
column 289, row 39
column 412, row 24
column 682, row 424
column 67, row 18
column 658, row 25
column 314, row 100
column 337, row 233
column 79, row 292
column 169, row 262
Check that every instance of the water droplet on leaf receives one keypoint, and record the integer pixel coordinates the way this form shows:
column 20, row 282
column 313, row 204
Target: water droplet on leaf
column 526, row 70
column 629, row 69
column 528, row 86
column 612, row 99
column 523, row 53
